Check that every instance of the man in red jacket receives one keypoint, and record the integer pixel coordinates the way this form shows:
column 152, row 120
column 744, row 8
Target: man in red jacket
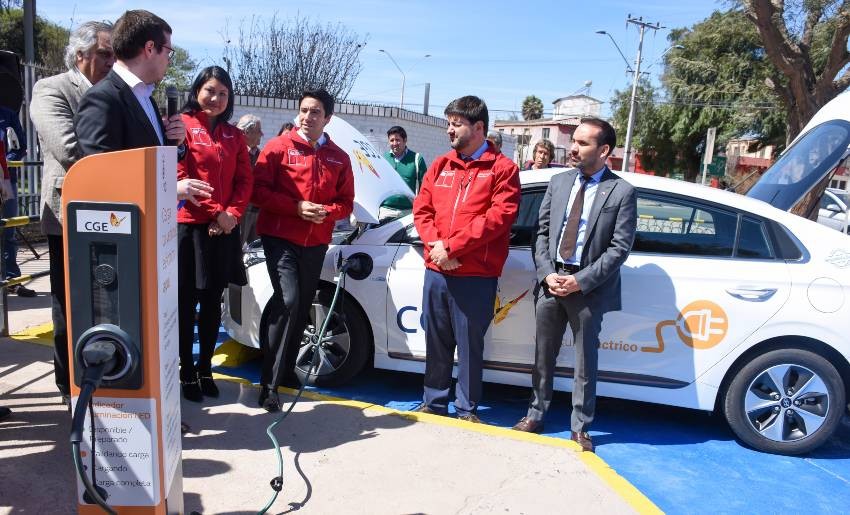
column 464, row 212
column 303, row 183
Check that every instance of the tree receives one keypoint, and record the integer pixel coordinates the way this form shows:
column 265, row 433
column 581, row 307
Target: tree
column 6, row 5
column 717, row 79
column 281, row 59
column 180, row 74
column 50, row 39
column 532, row 108
column 658, row 153
column 807, row 42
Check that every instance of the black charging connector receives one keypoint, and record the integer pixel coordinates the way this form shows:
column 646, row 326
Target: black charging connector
column 100, row 358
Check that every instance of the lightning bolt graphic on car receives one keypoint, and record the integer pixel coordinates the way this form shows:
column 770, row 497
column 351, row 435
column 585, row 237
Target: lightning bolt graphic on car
column 363, row 161
column 500, row 312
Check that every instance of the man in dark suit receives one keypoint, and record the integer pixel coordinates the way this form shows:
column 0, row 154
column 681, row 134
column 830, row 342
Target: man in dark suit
column 587, row 227
column 118, row 112
column 55, row 101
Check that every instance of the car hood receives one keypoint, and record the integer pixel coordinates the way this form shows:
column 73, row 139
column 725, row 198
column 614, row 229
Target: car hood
column 797, row 180
column 374, row 178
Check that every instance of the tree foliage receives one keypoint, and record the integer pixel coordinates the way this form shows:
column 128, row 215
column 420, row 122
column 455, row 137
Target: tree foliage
column 807, row 41
column 282, row 58
column 6, row 5
column 532, row 108
column 658, row 153
column 716, row 79
column 50, row 39
column 180, row 74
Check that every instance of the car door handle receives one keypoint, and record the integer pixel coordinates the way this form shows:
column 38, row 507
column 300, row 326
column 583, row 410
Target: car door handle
column 752, row 294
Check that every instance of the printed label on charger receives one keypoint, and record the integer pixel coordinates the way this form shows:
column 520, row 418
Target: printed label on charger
column 108, row 222
column 126, row 460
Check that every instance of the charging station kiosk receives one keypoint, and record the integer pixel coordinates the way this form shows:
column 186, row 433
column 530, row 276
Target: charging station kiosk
column 120, row 235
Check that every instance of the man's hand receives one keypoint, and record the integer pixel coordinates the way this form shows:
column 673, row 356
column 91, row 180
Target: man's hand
column 226, row 221
column 174, row 129
column 437, row 253
column 312, row 212
column 562, row 285
column 569, row 284
column 192, row 189
column 214, row 229
column 555, row 283
column 450, row 264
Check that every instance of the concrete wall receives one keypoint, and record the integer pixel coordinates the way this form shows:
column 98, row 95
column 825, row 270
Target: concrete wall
column 425, row 134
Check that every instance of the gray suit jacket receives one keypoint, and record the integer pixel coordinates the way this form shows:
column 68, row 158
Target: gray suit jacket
column 608, row 238
column 54, row 103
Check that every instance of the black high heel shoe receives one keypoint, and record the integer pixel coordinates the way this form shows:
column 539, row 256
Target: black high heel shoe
column 191, row 391
column 208, row 386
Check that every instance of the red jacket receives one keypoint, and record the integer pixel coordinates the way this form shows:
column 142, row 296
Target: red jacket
column 470, row 206
column 288, row 171
column 221, row 159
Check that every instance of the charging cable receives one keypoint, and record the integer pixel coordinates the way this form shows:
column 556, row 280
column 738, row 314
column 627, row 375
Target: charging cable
column 99, row 358
column 277, row 482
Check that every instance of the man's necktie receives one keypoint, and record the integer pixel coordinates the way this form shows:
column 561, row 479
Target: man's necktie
column 313, row 143
column 568, row 239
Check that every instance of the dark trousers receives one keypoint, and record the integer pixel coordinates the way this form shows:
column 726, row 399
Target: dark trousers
column 458, row 311
column 60, row 327
column 248, row 224
column 209, row 320
column 294, row 271
column 553, row 315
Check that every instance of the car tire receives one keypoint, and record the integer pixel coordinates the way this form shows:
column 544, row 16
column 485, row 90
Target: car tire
column 794, row 417
column 347, row 343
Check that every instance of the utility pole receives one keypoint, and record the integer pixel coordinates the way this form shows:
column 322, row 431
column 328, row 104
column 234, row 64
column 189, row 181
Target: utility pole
column 630, row 127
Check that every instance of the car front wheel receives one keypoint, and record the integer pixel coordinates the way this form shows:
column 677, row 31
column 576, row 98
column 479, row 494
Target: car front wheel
column 786, row 401
column 345, row 347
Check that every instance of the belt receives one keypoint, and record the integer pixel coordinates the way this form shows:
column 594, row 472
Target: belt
column 571, row 269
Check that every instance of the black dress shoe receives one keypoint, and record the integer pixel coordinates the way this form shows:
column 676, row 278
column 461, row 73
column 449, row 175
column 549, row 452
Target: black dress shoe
column 191, row 391
column 529, row 425
column 583, row 439
column 470, row 417
column 269, row 399
column 208, row 386
column 424, row 408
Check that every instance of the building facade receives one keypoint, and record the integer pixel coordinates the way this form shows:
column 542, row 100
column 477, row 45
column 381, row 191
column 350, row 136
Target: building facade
column 567, row 114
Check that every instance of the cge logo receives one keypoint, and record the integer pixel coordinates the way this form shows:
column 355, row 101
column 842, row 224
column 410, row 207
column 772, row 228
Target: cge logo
column 108, row 222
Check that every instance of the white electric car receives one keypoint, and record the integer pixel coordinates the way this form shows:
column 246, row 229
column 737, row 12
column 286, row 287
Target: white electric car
column 729, row 303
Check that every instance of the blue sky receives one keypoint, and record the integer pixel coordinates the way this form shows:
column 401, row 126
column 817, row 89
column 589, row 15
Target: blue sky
column 498, row 50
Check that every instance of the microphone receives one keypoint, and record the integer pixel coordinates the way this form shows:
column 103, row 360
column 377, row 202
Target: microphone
column 171, row 110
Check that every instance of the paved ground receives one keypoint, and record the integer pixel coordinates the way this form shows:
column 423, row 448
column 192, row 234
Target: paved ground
column 339, row 456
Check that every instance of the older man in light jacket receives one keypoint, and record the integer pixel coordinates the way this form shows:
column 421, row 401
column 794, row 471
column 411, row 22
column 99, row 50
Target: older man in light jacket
column 89, row 58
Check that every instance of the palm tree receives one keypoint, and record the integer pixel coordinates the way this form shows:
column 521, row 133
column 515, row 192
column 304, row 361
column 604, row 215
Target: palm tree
column 532, row 108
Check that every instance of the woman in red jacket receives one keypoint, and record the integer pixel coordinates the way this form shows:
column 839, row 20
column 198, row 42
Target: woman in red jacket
column 209, row 253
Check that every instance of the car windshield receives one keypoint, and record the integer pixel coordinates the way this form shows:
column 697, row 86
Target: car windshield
column 804, row 169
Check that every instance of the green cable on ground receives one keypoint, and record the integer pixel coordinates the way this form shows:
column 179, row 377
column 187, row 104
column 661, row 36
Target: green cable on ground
column 277, row 482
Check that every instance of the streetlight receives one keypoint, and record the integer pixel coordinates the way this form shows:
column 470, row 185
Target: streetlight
column 403, row 77
column 628, row 66
column 627, row 147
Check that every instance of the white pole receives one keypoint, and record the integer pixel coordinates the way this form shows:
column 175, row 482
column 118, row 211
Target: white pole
column 630, row 127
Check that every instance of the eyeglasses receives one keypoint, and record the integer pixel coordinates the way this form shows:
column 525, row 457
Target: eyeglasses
column 170, row 51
